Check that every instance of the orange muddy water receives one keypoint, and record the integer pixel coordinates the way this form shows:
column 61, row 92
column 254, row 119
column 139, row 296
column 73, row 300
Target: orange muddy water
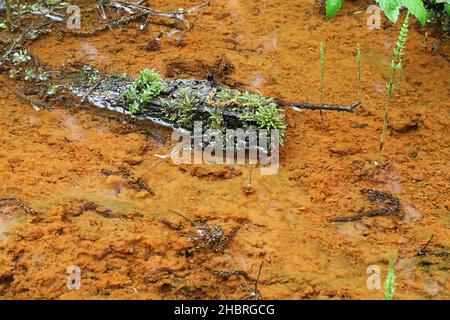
column 53, row 161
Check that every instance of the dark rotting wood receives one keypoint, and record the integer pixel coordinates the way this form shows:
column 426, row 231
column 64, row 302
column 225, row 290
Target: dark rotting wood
column 387, row 205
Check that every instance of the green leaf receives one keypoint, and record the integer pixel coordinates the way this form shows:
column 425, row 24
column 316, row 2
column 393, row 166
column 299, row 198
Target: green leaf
column 416, row 8
column 3, row 26
column 447, row 8
column 391, row 8
column 333, row 6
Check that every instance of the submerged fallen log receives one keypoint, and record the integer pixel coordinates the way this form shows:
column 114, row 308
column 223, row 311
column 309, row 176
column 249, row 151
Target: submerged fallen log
column 182, row 102
column 177, row 103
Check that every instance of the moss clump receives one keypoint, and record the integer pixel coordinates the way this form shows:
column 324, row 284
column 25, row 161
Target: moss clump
column 144, row 89
column 256, row 109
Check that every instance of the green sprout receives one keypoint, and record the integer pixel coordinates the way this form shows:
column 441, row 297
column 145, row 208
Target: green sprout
column 144, row 89
column 226, row 94
column 43, row 76
column 21, row 56
column 134, row 107
column 29, row 75
column 188, row 104
column 269, row 117
column 52, row 90
column 170, row 108
column 182, row 109
column 253, row 101
column 216, row 120
column 389, row 283
column 13, row 73
column 396, row 65
column 3, row 26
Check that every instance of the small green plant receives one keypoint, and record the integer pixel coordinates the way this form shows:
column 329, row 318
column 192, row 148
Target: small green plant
column 391, row 8
column 188, row 104
column 254, row 108
column 182, row 109
column 216, row 120
column 144, row 89
column 268, row 117
column 253, row 101
column 396, row 65
column 52, row 89
column 14, row 73
column 227, row 94
column 20, row 57
column 169, row 107
column 29, row 75
column 389, row 283
column 134, row 107
column 3, row 26
column 43, row 76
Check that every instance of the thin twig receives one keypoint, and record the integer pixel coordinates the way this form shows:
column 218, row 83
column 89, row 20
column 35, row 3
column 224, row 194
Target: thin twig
column 422, row 252
column 259, row 275
column 314, row 106
column 179, row 214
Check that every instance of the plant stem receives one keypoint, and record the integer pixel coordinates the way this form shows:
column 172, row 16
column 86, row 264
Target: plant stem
column 396, row 64
column 19, row 13
column 322, row 66
column 358, row 56
column 9, row 14
column 385, row 121
column 389, row 284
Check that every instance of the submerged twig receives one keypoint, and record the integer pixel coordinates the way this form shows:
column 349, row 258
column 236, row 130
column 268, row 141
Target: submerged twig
column 314, row 106
column 178, row 15
column 137, row 183
column 422, row 251
column 254, row 293
column 226, row 274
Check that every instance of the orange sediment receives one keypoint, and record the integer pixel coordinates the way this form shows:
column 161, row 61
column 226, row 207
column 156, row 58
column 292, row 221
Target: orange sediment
column 54, row 160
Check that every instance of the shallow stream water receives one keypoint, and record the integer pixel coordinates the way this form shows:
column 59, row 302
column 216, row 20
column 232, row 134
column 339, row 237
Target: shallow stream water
column 54, row 160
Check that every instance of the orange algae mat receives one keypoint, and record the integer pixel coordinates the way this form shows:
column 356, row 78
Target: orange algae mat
column 56, row 160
